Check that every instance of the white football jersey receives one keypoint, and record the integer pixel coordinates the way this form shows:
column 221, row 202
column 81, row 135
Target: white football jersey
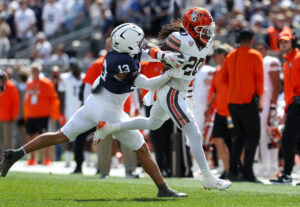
column 71, row 86
column 270, row 64
column 183, row 42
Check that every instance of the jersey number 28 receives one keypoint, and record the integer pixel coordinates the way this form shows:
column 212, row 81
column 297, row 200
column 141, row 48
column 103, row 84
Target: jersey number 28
column 191, row 68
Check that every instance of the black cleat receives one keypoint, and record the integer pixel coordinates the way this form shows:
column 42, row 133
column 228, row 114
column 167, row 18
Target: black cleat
column 283, row 179
column 169, row 192
column 9, row 158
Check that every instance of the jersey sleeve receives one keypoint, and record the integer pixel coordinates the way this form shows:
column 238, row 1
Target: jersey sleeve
column 173, row 42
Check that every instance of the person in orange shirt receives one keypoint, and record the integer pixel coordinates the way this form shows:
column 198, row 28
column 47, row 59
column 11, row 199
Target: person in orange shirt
column 243, row 75
column 291, row 82
column 221, row 130
column 9, row 109
column 273, row 31
column 40, row 96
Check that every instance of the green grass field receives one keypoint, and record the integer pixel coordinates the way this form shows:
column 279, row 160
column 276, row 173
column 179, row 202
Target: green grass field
column 24, row 189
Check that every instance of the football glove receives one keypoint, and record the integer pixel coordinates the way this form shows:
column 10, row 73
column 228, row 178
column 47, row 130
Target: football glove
column 174, row 59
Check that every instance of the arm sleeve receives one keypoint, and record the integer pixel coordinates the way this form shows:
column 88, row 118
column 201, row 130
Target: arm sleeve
column 16, row 103
column 87, row 91
column 173, row 42
column 225, row 77
column 142, row 81
column 259, row 76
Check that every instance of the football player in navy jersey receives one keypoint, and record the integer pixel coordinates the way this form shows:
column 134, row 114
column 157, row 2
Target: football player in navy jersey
column 109, row 92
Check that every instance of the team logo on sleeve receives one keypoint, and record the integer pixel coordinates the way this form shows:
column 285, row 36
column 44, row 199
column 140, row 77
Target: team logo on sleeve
column 194, row 16
column 191, row 43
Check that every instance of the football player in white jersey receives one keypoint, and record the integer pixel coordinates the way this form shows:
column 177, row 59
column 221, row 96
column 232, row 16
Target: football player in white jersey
column 119, row 76
column 269, row 152
column 69, row 87
column 193, row 37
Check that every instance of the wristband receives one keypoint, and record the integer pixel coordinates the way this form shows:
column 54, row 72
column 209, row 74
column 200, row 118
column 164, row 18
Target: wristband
column 153, row 52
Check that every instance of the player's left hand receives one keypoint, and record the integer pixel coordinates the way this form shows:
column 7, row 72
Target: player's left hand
column 174, row 59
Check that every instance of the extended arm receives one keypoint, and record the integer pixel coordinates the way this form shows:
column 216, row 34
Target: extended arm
column 87, row 91
column 142, row 81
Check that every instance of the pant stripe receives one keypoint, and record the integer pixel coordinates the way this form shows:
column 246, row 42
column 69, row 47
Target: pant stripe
column 170, row 109
column 179, row 109
column 179, row 117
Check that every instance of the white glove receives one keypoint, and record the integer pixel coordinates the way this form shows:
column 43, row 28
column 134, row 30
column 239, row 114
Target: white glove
column 174, row 59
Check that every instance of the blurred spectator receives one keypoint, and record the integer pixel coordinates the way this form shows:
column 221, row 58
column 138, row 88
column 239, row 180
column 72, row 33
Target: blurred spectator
column 7, row 15
column 10, row 74
column 103, row 29
column 274, row 30
column 130, row 11
column 201, row 85
column 221, row 130
column 245, row 88
column 4, row 45
column 55, row 77
column 40, row 97
column 60, row 58
column 268, row 149
column 52, row 17
column 75, row 14
column 22, row 84
column 4, row 27
column 42, row 50
column 160, row 14
column 24, row 22
column 88, row 59
column 94, row 12
column 37, row 9
column 69, row 87
column 9, row 109
column 291, row 134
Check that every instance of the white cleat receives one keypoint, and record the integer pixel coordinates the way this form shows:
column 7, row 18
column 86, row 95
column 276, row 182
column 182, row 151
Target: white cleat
column 104, row 129
column 212, row 182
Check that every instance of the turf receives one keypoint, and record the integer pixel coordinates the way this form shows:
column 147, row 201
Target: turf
column 30, row 189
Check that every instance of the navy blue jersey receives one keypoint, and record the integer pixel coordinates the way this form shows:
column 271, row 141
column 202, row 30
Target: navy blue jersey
column 118, row 63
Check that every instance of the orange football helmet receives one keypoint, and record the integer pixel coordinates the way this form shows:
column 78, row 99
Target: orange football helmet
column 199, row 23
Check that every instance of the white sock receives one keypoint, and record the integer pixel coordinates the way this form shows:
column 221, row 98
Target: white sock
column 68, row 156
column 195, row 137
column 87, row 156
